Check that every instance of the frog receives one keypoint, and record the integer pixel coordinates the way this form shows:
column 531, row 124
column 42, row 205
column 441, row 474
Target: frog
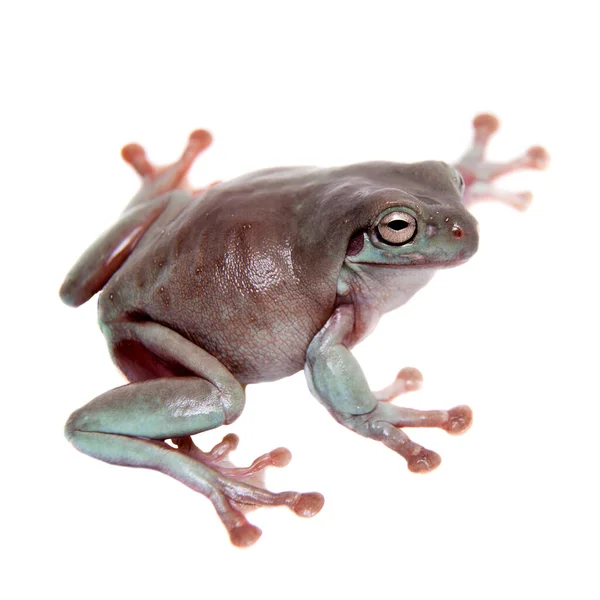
column 205, row 291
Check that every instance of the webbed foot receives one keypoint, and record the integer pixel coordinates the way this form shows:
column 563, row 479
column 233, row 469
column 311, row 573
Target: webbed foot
column 237, row 490
column 479, row 173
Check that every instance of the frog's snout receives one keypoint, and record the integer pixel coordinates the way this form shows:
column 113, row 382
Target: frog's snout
column 453, row 238
column 465, row 232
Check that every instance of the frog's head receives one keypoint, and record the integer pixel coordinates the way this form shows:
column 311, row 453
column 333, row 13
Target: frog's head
column 421, row 223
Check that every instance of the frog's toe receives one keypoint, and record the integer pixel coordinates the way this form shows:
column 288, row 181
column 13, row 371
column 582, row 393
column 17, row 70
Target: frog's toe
column 221, row 450
column 232, row 440
column 539, row 157
column 522, row 200
column 486, row 124
column 199, row 140
column 408, row 379
column 217, row 458
column 459, row 420
column 217, row 455
column 244, row 535
column 412, row 378
column 308, row 504
column 135, row 155
column 424, row 461
column 280, row 457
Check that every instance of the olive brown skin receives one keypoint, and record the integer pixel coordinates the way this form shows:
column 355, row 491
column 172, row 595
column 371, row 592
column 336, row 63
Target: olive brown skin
column 254, row 279
column 249, row 270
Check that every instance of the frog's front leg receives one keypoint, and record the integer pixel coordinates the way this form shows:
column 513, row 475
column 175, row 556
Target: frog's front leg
column 479, row 173
column 336, row 379
column 129, row 425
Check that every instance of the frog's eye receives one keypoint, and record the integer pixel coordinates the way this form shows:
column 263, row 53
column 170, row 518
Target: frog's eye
column 397, row 228
column 460, row 181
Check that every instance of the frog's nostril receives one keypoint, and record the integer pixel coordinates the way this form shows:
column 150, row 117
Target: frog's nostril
column 457, row 231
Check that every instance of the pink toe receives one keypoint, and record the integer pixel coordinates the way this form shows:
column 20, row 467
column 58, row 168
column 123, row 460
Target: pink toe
column 413, row 379
column 459, row 420
column 539, row 157
column 424, row 461
column 486, row 122
column 244, row 535
column 308, row 505
column 200, row 140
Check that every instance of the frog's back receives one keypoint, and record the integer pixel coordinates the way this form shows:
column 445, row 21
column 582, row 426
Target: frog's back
column 233, row 272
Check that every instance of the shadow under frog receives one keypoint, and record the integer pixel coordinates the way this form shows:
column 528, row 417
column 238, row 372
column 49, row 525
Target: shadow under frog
column 250, row 280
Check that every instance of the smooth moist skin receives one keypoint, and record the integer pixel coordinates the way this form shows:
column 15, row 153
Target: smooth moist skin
column 254, row 279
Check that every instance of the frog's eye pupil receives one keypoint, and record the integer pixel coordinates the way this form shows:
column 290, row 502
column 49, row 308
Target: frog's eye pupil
column 397, row 228
column 398, row 225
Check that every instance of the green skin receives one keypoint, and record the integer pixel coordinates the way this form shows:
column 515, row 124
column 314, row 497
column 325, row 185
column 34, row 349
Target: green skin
column 252, row 280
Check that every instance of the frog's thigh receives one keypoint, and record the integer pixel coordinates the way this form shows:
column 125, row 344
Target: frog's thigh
column 128, row 425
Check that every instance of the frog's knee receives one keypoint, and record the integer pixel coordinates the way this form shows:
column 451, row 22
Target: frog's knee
column 233, row 400
column 74, row 424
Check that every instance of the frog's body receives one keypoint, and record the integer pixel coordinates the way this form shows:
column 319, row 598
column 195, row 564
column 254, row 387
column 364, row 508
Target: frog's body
column 249, row 269
column 255, row 279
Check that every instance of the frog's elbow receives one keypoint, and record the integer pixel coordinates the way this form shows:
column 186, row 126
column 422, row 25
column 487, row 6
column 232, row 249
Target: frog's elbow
column 72, row 294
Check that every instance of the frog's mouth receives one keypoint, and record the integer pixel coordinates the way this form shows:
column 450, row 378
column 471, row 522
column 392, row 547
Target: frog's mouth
column 445, row 254
column 413, row 261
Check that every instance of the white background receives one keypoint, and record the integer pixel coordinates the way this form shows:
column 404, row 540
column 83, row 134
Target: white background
column 513, row 510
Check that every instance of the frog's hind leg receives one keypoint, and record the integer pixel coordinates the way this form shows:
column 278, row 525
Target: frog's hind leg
column 161, row 187
column 479, row 173
column 129, row 426
column 159, row 180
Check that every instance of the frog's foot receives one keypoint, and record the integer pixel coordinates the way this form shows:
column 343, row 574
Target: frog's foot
column 131, row 425
column 386, row 421
column 479, row 173
column 160, row 180
column 238, row 490
column 408, row 379
column 218, row 458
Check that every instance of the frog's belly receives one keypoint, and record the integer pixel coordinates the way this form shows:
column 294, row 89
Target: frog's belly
column 255, row 346
column 266, row 356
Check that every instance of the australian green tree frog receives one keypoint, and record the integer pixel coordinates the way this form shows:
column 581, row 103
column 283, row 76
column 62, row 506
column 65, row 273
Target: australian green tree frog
column 205, row 291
